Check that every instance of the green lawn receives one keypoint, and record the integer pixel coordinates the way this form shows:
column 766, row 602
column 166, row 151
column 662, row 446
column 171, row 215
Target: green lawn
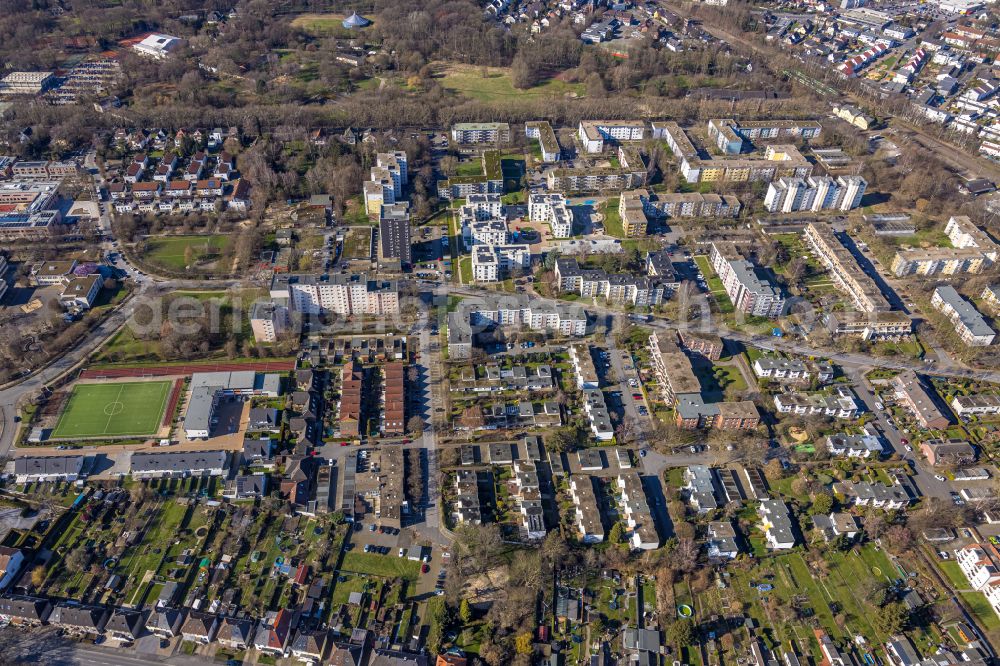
column 171, row 251
column 496, row 84
column 342, row 591
column 116, row 409
column 954, row 574
column 387, row 566
column 980, row 607
column 465, row 269
column 470, row 168
column 612, row 218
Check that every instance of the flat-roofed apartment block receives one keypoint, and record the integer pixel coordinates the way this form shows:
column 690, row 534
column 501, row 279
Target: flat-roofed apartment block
column 748, row 290
column 869, row 325
column 635, row 509
column 618, row 288
column 970, row 325
column 847, row 274
column 815, row 193
column 337, row 294
column 729, row 135
column 480, row 133
column 551, row 208
column 633, row 214
column 268, row 321
column 492, row 263
column 695, row 204
column 681, row 390
column 692, row 411
column 708, row 345
column 991, row 297
column 487, row 206
column 395, row 164
column 779, row 160
column 378, row 194
column 490, row 182
column 587, row 512
column 919, row 400
column 972, row 251
column 395, row 240
column 672, row 367
column 547, row 142
column 594, row 133
column 721, row 542
column 560, row 318
column 607, row 179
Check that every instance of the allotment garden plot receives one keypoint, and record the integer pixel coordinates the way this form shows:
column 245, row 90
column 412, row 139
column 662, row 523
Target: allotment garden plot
column 116, row 409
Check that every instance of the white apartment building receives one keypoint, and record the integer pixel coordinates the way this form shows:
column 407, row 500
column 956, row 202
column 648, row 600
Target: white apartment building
column 377, row 194
column 396, row 165
column 268, row 320
column 487, row 206
column 748, row 291
column 339, row 294
column 970, row 325
column 491, row 263
column 485, row 232
column 480, row 133
column 978, row 566
column 551, row 208
column 593, row 133
column 618, row 288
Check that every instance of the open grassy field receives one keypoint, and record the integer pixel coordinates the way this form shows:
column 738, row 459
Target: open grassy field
column 170, row 252
column 496, row 85
column 116, row 408
column 326, row 24
column 386, row 566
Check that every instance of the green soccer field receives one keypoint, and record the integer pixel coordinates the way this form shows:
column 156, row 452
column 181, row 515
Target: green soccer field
column 114, row 409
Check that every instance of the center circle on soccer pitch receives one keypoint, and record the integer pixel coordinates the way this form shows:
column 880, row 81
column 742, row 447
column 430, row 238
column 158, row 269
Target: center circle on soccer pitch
column 114, row 408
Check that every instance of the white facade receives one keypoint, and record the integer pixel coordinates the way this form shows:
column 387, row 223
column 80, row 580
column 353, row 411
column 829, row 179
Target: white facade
column 551, row 208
